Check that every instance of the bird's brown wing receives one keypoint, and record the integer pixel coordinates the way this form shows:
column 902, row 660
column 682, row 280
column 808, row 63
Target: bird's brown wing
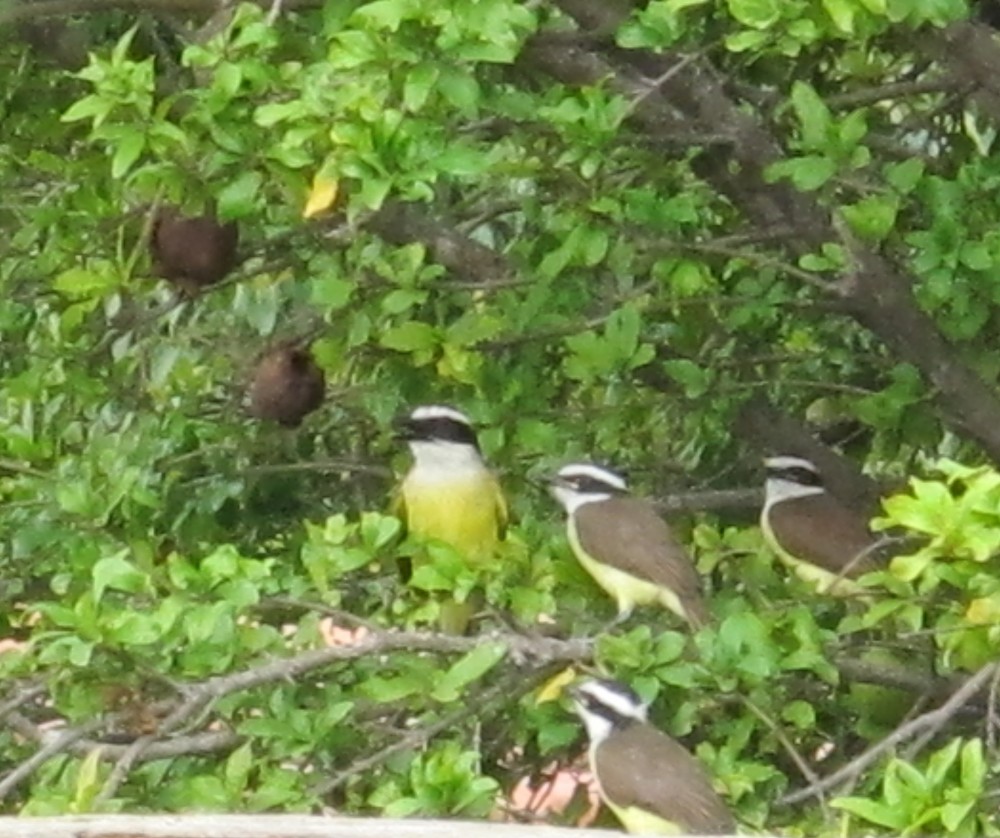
column 628, row 534
column 643, row 767
column 822, row 531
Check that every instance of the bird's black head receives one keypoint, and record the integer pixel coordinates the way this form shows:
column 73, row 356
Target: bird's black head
column 436, row 423
column 794, row 470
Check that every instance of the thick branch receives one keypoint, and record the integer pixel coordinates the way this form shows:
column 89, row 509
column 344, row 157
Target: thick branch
column 971, row 54
column 878, row 295
column 465, row 258
column 771, row 431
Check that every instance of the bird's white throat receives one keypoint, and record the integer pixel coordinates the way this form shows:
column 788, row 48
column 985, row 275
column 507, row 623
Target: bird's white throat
column 573, row 500
column 443, row 460
column 777, row 489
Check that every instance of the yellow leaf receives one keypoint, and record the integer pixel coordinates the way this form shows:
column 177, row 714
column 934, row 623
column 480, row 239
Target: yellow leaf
column 88, row 781
column 321, row 196
column 553, row 688
column 983, row 611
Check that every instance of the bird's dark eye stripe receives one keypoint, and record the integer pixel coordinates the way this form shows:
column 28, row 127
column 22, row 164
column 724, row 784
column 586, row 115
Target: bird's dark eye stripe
column 585, row 483
column 599, row 708
column 443, row 428
column 797, row 474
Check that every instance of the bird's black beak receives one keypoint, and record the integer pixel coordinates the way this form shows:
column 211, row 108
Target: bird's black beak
column 402, row 429
column 556, row 482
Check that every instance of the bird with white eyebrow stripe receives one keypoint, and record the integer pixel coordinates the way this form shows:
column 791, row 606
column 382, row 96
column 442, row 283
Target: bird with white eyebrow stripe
column 824, row 542
column 624, row 544
column 648, row 779
column 450, row 493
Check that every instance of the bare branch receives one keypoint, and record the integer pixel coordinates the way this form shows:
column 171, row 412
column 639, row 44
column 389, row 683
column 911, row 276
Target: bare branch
column 57, row 745
column 932, row 720
column 509, row 688
column 808, row 774
column 894, row 90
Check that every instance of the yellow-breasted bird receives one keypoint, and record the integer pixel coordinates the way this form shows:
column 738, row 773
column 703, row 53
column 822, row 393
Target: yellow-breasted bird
column 625, row 545
column 648, row 779
column 450, row 493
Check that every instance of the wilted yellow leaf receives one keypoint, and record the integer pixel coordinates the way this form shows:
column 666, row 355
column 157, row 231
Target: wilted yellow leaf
column 552, row 689
column 321, row 196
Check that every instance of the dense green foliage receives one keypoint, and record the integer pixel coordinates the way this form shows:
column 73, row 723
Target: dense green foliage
column 534, row 252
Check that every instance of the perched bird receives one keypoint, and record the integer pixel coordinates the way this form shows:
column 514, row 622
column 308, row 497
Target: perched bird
column 823, row 541
column 287, row 385
column 450, row 494
column 625, row 545
column 649, row 780
column 192, row 252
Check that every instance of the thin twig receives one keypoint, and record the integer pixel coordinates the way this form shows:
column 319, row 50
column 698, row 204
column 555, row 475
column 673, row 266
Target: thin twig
column 762, row 260
column 22, row 695
column 337, row 614
column 992, row 720
column 893, row 90
column 805, row 769
column 59, row 744
column 509, row 688
column 122, row 766
column 931, row 720
column 657, row 84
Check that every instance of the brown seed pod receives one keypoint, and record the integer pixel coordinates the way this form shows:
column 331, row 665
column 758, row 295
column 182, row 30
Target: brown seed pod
column 287, row 385
column 194, row 252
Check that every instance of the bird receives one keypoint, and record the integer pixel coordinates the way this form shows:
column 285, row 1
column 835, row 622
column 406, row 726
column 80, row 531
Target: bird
column 192, row 252
column 625, row 545
column 450, row 493
column 825, row 543
column 287, row 385
column 651, row 782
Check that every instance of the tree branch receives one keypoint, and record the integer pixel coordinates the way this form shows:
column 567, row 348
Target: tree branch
column 929, row 721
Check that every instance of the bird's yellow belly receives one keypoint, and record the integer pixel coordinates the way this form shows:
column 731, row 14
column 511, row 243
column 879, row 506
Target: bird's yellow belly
column 627, row 590
column 822, row 581
column 463, row 514
column 640, row 822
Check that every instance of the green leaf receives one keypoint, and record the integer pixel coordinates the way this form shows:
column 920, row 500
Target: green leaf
column 467, row 669
column 808, row 173
column 384, row 14
column 88, row 781
column 410, row 337
column 842, row 13
column 799, row 713
column 689, row 375
column 760, row 14
column 130, row 145
column 387, row 690
column 622, row 331
column 873, row 217
column 331, row 292
column 974, row 766
column 883, row 814
column 952, row 814
column 420, row 81
column 459, row 88
column 88, row 107
column 238, row 198
column 118, row 573
column 746, row 41
column 238, row 768
column 813, row 115
column 85, row 282
column 379, row 530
